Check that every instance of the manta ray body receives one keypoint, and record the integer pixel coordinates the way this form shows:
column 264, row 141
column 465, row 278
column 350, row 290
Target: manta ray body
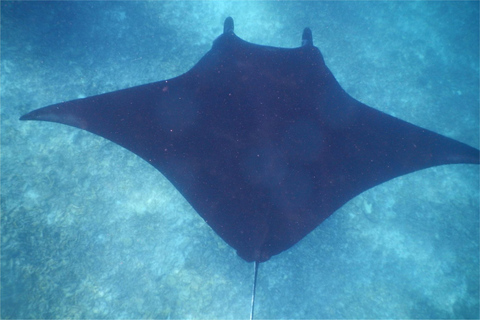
column 263, row 142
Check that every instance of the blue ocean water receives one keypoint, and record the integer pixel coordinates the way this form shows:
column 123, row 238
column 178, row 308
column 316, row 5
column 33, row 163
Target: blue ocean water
column 89, row 230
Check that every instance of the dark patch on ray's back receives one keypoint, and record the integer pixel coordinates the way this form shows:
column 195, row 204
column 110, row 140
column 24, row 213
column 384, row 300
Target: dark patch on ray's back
column 303, row 141
column 175, row 119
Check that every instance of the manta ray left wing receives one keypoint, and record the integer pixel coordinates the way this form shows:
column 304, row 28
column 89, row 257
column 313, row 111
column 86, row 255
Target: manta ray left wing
column 262, row 142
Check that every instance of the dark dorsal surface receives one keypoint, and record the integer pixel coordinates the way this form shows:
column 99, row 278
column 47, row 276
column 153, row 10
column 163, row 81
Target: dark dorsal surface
column 262, row 141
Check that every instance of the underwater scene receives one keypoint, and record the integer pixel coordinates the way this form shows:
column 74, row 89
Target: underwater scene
column 89, row 230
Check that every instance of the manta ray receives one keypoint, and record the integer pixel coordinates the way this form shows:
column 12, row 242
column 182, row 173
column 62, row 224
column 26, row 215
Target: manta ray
column 263, row 142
